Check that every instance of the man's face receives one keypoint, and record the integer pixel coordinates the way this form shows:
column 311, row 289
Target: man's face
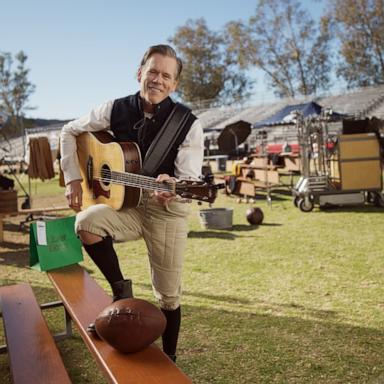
column 157, row 79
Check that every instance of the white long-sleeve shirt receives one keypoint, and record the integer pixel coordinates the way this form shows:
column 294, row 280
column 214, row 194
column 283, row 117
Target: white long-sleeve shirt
column 188, row 161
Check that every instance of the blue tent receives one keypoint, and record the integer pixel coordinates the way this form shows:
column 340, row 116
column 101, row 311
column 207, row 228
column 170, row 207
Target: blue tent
column 285, row 116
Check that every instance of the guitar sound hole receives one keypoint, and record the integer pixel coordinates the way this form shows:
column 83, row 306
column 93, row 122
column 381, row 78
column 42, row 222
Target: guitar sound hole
column 105, row 175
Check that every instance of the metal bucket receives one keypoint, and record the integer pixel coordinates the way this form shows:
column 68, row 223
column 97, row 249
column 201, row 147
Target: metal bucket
column 216, row 218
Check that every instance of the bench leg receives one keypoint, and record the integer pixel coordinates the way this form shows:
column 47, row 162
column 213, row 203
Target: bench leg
column 67, row 320
column 58, row 336
column 3, row 347
column 68, row 327
column 1, row 229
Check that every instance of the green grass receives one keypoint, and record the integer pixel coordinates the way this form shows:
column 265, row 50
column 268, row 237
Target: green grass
column 299, row 299
column 36, row 187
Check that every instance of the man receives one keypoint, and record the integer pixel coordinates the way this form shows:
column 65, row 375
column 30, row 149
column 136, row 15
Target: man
column 161, row 218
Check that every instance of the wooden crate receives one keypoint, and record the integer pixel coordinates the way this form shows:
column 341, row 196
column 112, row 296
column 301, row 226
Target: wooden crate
column 8, row 202
column 361, row 175
column 359, row 162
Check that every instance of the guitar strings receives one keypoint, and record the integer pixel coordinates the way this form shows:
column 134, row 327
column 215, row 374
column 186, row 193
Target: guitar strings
column 134, row 180
column 147, row 181
column 140, row 180
column 120, row 182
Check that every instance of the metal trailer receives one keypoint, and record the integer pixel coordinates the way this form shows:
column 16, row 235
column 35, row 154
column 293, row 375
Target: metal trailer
column 315, row 190
column 317, row 184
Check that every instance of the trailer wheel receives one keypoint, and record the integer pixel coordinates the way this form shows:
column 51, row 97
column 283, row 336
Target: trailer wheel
column 378, row 200
column 296, row 201
column 370, row 197
column 305, row 206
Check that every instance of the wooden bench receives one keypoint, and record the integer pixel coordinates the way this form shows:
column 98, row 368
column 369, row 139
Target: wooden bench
column 84, row 299
column 33, row 354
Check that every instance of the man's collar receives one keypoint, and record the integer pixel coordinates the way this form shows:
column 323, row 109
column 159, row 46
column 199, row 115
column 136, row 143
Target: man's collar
column 166, row 103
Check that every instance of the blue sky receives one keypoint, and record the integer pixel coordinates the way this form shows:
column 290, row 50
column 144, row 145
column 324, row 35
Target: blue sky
column 82, row 52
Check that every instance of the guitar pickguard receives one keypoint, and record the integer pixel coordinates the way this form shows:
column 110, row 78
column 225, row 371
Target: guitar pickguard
column 98, row 190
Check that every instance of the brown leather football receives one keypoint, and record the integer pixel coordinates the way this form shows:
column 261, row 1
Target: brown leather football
column 130, row 325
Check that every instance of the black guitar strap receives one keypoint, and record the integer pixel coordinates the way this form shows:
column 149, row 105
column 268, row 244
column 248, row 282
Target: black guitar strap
column 164, row 140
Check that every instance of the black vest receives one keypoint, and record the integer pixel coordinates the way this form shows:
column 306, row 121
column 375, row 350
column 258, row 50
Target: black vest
column 128, row 124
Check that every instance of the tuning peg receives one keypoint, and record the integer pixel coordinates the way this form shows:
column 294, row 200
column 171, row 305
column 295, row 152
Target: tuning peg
column 205, row 198
column 195, row 196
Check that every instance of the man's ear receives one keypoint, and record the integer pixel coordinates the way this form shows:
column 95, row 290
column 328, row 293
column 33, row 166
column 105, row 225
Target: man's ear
column 138, row 76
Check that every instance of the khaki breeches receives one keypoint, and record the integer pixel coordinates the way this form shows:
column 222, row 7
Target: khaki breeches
column 164, row 230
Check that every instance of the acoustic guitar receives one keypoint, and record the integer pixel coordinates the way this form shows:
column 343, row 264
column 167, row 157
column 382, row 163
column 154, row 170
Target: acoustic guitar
column 110, row 172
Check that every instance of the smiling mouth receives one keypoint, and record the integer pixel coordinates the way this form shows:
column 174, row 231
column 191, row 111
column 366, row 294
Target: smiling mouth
column 154, row 89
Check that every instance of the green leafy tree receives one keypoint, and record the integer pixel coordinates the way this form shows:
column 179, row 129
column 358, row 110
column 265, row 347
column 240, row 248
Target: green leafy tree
column 211, row 72
column 15, row 89
column 285, row 42
column 359, row 27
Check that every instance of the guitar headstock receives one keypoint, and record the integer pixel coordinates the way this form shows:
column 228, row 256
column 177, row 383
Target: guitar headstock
column 197, row 190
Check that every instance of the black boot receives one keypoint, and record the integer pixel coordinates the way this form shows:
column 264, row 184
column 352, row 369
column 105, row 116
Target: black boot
column 171, row 333
column 122, row 289
column 104, row 256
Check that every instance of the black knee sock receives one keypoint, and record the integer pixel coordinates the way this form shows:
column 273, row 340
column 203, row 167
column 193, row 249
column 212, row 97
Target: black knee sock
column 171, row 333
column 104, row 256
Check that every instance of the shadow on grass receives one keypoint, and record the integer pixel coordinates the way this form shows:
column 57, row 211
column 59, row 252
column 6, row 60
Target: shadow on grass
column 261, row 197
column 281, row 191
column 225, row 233
column 351, row 209
column 222, row 298
column 212, row 234
column 320, row 314
column 266, row 306
column 244, row 227
column 273, row 348
column 18, row 258
column 224, row 346
column 11, row 245
column 271, row 225
column 12, row 227
column 228, row 234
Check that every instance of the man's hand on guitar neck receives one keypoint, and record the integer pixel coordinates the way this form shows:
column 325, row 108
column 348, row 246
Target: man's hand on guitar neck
column 164, row 197
column 74, row 195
